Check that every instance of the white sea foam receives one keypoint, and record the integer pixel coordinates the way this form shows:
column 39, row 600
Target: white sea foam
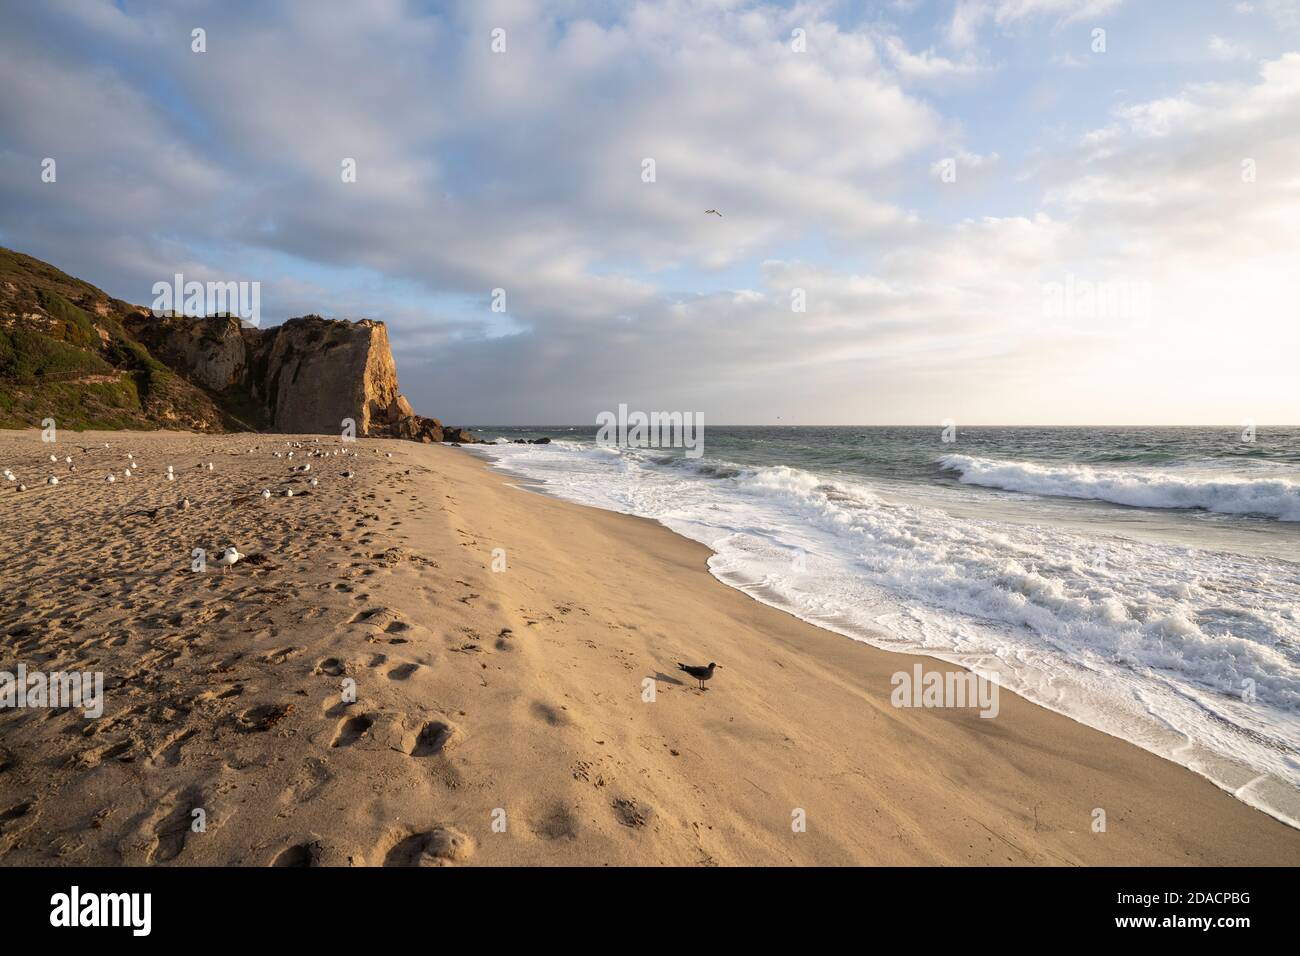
column 1158, row 644
column 1274, row 497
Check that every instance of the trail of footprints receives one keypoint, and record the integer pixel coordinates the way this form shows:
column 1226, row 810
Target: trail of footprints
column 224, row 631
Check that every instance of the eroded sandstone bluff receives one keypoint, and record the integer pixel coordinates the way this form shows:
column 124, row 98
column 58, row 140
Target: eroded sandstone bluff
column 72, row 353
column 308, row 375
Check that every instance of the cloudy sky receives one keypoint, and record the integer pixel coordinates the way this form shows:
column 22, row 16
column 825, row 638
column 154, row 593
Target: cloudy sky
column 993, row 211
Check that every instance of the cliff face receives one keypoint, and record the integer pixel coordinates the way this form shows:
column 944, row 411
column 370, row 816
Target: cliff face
column 319, row 372
column 308, row 375
column 211, row 374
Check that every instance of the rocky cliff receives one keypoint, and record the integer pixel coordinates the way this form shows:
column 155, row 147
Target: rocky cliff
column 70, row 352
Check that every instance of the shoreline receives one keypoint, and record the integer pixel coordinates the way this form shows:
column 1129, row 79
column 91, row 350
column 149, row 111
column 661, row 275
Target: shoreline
column 518, row 691
column 1268, row 794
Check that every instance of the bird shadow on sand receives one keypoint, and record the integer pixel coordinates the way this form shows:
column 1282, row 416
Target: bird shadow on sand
column 668, row 679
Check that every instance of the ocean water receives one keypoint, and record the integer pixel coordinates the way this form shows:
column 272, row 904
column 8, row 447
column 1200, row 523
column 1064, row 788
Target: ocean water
column 1144, row 581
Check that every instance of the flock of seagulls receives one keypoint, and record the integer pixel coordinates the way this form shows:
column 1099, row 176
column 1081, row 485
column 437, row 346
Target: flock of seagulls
column 231, row 555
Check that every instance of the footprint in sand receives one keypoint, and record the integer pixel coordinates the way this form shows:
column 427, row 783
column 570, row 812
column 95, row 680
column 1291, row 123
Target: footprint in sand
column 97, row 755
column 352, row 729
column 17, row 811
column 169, row 754
column 304, row 854
column 382, row 617
column 262, row 717
column 172, row 830
column 630, row 813
column 307, row 784
column 437, row 847
column 556, row 718
column 434, row 738
column 556, row 823
column 403, row 671
column 331, row 666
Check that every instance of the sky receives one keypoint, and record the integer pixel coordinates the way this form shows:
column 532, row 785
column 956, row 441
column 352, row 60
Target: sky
column 980, row 211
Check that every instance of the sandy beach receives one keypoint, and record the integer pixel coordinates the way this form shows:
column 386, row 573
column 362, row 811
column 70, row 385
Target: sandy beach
column 499, row 643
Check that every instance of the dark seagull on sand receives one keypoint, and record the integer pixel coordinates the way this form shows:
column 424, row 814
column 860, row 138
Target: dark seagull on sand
column 701, row 674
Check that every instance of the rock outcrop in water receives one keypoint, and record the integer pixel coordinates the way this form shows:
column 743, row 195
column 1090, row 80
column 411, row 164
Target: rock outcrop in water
column 65, row 343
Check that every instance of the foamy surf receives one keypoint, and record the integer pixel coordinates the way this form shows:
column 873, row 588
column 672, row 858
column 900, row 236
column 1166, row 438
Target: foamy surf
column 1277, row 498
column 1193, row 654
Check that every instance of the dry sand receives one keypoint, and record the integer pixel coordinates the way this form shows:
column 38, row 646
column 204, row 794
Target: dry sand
column 500, row 716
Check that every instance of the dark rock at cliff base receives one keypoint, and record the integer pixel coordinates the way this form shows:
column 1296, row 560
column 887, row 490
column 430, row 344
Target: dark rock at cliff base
column 458, row 436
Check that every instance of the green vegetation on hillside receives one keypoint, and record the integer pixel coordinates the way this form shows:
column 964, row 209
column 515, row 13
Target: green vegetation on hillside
column 27, row 356
column 66, row 354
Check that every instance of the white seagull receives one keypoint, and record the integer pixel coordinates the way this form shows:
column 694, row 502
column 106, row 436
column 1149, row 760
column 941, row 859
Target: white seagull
column 228, row 558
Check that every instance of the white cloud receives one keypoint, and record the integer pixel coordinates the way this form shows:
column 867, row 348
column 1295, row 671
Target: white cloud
column 1222, row 49
column 927, row 64
column 969, row 16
